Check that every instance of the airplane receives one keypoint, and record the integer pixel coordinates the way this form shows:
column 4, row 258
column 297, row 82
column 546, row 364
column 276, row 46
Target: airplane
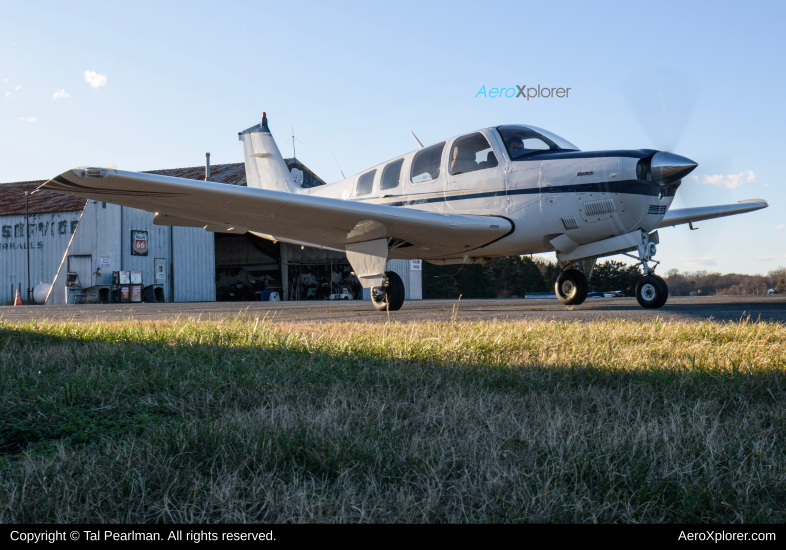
column 499, row 191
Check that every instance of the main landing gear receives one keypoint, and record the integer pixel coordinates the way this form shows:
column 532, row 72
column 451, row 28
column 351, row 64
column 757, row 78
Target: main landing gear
column 389, row 296
column 571, row 287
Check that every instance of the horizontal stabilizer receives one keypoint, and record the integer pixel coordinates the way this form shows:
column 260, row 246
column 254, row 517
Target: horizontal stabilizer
column 688, row 215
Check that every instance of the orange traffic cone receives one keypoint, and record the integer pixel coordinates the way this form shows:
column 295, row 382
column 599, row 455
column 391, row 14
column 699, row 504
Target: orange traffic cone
column 18, row 298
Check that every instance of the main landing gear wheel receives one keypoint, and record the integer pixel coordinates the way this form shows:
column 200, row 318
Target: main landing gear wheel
column 571, row 287
column 390, row 296
column 652, row 292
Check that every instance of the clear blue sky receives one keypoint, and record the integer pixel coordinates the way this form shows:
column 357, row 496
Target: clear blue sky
column 183, row 78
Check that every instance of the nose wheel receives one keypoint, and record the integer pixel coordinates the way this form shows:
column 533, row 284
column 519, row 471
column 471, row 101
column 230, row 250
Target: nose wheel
column 652, row 292
column 571, row 287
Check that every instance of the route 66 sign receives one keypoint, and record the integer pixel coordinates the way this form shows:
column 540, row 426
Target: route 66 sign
column 138, row 243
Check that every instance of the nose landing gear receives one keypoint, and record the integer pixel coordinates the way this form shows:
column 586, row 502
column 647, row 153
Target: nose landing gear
column 651, row 291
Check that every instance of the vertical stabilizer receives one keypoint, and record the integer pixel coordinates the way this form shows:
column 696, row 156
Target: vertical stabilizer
column 265, row 167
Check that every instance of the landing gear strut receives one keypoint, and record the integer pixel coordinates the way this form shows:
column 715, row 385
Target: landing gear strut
column 651, row 291
column 571, row 287
column 389, row 296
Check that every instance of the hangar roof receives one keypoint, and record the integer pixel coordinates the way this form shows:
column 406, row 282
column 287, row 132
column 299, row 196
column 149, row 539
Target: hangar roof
column 12, row 195
column 12, row 199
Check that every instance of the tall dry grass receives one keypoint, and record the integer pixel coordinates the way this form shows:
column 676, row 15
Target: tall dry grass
column 248, row 421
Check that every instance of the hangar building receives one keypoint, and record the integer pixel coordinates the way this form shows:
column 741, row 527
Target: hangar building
column 94, row 240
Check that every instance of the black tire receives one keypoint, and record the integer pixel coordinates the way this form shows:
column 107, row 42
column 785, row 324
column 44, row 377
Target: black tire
column 571, row 287
column 652, row 292
column 393, row 297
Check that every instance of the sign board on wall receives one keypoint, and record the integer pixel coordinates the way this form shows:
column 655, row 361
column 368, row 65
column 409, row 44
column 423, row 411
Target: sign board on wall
column 416, row 265
column 138, row 243
column 103, row 261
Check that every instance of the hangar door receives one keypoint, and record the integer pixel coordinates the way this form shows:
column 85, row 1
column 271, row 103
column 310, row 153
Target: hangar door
column 83, row 266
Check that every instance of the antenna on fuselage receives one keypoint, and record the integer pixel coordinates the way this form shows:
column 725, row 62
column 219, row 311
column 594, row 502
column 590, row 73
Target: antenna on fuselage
column 337, row 164
column 293, row 139
column 416, row 139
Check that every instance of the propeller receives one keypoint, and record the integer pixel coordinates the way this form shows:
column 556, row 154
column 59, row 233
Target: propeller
column 663, row 101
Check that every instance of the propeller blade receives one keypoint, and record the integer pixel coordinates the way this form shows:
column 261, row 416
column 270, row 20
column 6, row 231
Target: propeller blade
column 663, row 101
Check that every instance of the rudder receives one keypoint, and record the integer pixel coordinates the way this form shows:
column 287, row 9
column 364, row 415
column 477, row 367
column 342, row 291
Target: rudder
column 265, row 166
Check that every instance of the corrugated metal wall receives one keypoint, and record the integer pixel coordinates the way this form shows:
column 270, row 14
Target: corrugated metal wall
column 97, row 238
column 104, row 236
column 49, row 237
column 158, row 238
column 413, row 287
column 194, row 265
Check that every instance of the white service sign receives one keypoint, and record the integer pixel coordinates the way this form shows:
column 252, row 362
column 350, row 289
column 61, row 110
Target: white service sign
column 416, row 265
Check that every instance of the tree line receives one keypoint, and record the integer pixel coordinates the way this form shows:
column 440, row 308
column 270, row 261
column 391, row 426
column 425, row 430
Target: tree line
column 515, row 276
column 706, row 283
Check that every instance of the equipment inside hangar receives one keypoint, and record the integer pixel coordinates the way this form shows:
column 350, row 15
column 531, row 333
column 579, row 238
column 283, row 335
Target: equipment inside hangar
column 247, row 265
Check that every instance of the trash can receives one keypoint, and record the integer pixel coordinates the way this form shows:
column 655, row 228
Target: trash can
column 136, row 293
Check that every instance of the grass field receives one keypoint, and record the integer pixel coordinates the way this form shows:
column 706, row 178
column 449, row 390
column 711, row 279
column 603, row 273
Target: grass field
column 445, row 422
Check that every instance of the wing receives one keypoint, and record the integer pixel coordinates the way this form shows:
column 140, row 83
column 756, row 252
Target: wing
column 290, row 217
column 688, row 215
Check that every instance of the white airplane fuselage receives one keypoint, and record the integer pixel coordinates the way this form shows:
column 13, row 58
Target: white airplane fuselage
column 588, row 196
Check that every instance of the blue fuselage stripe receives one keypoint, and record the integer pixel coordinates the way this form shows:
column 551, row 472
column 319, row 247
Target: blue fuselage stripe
column 628, row 187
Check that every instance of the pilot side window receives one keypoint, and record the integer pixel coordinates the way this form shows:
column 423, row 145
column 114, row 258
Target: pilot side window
column 365, row 184
column 425, row 164
column 521, row 141
column 391, row 175
column 471, row 153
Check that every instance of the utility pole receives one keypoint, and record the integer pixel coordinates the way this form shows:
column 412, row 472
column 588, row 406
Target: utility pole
column 27, row 230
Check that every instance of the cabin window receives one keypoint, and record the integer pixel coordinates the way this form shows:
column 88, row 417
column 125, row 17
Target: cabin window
column 391, row 175
column 521, row 141
column 365, row 184
column 425, row 164
column 471, row 153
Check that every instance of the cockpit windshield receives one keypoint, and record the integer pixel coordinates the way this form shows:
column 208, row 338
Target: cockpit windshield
column 521, row 141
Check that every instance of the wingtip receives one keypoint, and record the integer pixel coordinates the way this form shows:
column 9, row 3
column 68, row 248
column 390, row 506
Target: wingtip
column 764, row 203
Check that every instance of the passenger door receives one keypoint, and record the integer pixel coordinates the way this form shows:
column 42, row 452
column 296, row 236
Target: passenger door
column 474, row 175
